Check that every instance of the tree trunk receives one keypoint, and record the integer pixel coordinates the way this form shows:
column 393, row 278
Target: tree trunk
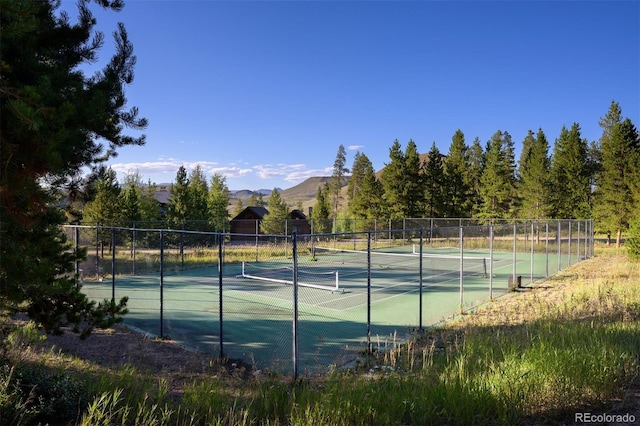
column 618, row 238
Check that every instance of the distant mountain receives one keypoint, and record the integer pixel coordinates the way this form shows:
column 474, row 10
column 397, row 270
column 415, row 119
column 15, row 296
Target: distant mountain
column 302, row 195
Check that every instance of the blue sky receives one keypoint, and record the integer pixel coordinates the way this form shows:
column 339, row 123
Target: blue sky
column 264, row 92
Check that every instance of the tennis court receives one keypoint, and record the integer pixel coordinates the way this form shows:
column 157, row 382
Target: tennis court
column 347, row 299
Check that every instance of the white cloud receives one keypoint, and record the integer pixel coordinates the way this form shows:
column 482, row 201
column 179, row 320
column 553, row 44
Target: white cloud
column 355, row 147
column 299, row 176
column 166, row 168
column 230, row 172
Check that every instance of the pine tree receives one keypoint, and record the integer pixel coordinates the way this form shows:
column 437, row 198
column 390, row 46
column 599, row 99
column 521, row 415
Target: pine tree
column 105, row 208
column 474, row 175
column 275, row 221
column 253, row 200
column 413, row 191
column 534, row 185
column 150, row 210
column 178, row 208
column 456, row 186
column 393, row 182
column 619, row 145
column 321, row 214
column 433, row 177
column 198, row 193
column 569, row 174
column 217, row 203
column 364, row 189
column 237, row 209
column 131, row 199
column 337, row 179
column 497, row 182
column 56, row 121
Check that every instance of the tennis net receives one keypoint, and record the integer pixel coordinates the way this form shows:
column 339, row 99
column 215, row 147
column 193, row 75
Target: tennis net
column 326, row 280
column 470, row 264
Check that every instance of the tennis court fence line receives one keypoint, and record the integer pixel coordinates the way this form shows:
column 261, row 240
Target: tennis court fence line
column 306, row 302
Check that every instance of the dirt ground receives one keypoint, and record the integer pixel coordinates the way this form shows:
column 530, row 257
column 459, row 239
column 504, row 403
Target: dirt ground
column 122, row 346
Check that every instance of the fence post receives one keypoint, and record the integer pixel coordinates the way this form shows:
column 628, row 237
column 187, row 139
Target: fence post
column 515, row 251
column 97, row 251
column 461, row 268
column 569, row 249
column 491, row 261
column 220, row 304
column 113, row 264
column 559, row 239
column 182, row 247
column 546, row 248
column 369, row 292
column 532, row 257
column 133, row 248
column 578, row 249
column 161, row 283
column 76, row 247
column 420, row 282
column 294, row 244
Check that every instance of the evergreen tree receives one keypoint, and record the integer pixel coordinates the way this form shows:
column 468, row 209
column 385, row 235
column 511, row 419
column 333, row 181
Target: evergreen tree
column 105, row 209
column 534, row 185
column 619, row 145
column 179, row 203
column 253, row 200
column 274, row 222
column 150, row 211
column 237, row 209
column 433, row 177
column 364, row 189
column 55, row 121
column 456, row 185
column 474, row 175
column 217, row 203
column 131, row 199
column 497, row 188
column 321, row 214
column 413, row 192
column 337, row 179
column 393, row 182
column 198, row 193
column 569, row 174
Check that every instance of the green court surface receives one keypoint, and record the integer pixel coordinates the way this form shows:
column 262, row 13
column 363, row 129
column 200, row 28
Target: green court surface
column 257, row 316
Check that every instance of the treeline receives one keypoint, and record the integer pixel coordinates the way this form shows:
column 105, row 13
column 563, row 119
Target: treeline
column 576, row 179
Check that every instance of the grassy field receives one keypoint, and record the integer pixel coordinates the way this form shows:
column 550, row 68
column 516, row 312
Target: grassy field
column 568, row 345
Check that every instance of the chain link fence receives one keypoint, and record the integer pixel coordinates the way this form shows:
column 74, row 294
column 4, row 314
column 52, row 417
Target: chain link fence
column 304, row 302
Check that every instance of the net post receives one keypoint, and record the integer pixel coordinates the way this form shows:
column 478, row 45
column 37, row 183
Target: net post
column 337, row 281
column 294, row 250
